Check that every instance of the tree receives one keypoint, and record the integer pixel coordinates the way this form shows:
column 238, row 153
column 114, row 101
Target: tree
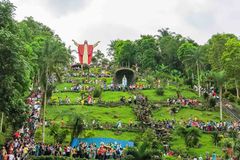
column 58, row 134
column 53, row 56
column 77, row 124
column 147, row 146
column 169, row 42
column 14, row 77
column 216, row 137
column 220, row 78
column 123, row 52
column 216, row 47
column 236, row 148
column 231, row 59
column 98, row 57
column 191, row 135
column 147, row 53
column 192, row 58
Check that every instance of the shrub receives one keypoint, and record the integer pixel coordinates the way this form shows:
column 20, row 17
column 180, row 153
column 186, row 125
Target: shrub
column 97, row 92
column 216, row 137
column 2, row 139
column 238, row 101
column 231, row 98
column 212, row 102
column 191, row 135
column 226, row 94
column 129, row 157
column 132, row 152
column 160, row 91
column 205, row 95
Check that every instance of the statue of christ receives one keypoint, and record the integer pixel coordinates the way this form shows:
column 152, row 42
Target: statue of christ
column 85, row 51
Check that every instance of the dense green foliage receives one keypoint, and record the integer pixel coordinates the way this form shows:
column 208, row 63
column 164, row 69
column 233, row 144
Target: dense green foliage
column 27, row 48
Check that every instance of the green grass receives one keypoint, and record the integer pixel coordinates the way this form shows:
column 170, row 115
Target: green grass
column 111, row 134
column 61, row 86
column 102, row 114
column 72, row 95
column 114, row 95
column 95, row 133
column 168, row 93
column 186, row 113
column 207, row 145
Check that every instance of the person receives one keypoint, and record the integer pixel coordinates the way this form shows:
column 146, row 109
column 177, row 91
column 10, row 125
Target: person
column 89, row 99
column 85, row 51
column 214, row 156
column 200, row 157
column 119, row 124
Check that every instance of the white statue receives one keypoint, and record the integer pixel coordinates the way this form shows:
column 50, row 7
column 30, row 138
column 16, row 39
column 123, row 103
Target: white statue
column 124, row 81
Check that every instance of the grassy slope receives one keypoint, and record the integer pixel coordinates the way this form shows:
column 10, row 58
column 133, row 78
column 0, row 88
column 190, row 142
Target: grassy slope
column 114, row 95
column 95, row 133
column 169, row 92
column 124, row 113
column 186, row 113
column 206, row 145
column 102, row 114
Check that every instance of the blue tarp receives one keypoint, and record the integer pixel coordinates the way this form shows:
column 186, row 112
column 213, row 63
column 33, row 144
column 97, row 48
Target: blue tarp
column 97, row 141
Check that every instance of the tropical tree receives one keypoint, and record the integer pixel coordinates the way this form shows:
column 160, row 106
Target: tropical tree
column 236, row 148
column 147, row 52
column 58, row 134
column 53, row 56
column 123, row 52
column 216, row 47
column 147, row 146
column 98, row 57
column 77, row 125
column 169, row 42
column 191, row 135
column 14, row 69
column 231, row 59
column 220, row 78
column 192, row 57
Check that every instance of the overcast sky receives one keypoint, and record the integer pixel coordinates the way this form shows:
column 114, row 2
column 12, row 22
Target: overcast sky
column 107, row 20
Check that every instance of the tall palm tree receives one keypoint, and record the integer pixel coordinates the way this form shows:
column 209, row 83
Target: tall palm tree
column 220, row 78
column 195, row 60
column 53, row 57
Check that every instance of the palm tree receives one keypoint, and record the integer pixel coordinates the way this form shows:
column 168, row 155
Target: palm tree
column 53, row 57
column 77, row 125
column 195, row 60
column 220, row 78
column 236, row 149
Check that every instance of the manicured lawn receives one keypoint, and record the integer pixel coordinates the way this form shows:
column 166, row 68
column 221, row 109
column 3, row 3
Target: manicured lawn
column 72, row 95
column 111, row 134
column 186, row 113
column 101, row 114
column 95, row 133
column 207, row 145
column 169, row 92
column 61, row 86
column 114, row 96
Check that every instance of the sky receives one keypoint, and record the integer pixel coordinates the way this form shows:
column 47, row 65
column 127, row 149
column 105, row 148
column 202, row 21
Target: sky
column 106, row 20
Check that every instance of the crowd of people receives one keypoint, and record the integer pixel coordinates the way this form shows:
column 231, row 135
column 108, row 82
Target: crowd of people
column 214, row 126
column 183, row 101
column 23, row 139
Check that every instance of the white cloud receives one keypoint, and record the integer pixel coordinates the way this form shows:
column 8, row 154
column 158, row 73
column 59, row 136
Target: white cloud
column 106, row 20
